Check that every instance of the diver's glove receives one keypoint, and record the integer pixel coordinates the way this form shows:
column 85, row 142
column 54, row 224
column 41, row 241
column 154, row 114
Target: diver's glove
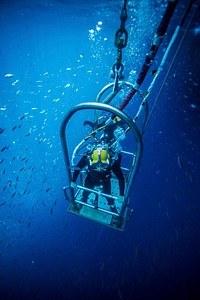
column 73, row 184
column 121, row 198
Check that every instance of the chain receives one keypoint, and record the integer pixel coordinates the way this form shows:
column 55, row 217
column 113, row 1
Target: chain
column 121, row 39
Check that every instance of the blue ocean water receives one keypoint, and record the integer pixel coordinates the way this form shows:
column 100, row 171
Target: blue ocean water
column 55, row 54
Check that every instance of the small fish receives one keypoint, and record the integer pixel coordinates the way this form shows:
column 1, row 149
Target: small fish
column 27, row 134
column 120, row 295
column 13, row 195
column 190, row 176
column 2, row 203
column 1, row 160
column 179, row 162
column 47, row 190
column 51, row 211
column 14, row 128
column 18, row 92
column 25, row 191
column 9, row 75
column 9, row 182
column 1, row 130
column 4, row 148
column 15, row 82
column 102, row 266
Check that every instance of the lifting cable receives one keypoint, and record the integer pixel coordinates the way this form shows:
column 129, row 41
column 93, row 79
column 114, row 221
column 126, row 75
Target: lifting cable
column 157, row 39
column 176, row 32
column 160, row 68
column 175, row 55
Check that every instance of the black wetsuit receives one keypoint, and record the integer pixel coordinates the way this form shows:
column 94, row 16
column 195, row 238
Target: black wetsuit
column 96, row 178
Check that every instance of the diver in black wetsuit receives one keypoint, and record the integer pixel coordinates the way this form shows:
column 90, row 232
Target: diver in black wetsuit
column 100, row 164
column 103, row 159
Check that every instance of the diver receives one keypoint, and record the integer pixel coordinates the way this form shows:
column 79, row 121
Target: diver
column 100, row 164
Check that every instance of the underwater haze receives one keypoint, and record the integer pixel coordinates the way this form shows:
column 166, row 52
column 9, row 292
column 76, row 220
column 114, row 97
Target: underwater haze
column 56, row 54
